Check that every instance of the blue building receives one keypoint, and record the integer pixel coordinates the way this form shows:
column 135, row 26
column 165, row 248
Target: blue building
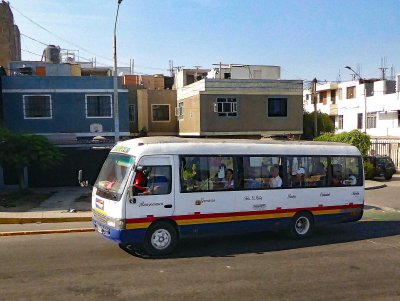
column 63, row 108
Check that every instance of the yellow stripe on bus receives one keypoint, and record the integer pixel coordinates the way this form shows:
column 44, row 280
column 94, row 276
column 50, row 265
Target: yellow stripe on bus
column 197, row 221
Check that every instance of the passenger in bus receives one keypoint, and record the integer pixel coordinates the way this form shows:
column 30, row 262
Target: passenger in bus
column 336, row 175
column 204, row 184
column 229, row 184
column 351, row 178
column 140, row 182
column 276, row 180
column 298, row 177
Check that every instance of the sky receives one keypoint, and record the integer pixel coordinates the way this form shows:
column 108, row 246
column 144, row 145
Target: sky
column 307, row 38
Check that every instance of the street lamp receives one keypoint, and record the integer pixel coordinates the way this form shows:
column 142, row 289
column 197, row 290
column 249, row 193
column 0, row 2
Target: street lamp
column 116, row 110
column 365, row 97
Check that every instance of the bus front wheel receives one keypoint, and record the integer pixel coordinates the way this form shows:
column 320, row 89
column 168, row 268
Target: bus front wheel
column 161, row 239
column 302, row 225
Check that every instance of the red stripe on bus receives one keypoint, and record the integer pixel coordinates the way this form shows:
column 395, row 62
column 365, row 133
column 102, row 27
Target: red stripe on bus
column 245, row 213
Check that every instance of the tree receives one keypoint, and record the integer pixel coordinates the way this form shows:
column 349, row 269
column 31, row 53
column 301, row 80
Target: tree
column 22, row 150
column 324, row 125
column 360, row 140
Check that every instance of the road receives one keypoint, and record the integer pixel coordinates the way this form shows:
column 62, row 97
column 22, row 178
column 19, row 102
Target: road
column 358, row 261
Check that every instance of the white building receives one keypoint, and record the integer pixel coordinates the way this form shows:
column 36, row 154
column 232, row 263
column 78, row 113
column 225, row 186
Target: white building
column 184, row 77
column 347, row 103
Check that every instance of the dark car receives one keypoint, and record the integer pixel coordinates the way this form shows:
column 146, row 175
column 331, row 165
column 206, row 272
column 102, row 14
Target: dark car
column 383, row 166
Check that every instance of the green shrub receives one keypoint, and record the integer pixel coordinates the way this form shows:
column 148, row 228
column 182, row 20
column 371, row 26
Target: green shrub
column 369, row 170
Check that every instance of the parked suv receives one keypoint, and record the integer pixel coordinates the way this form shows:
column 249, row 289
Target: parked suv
column 383, row 166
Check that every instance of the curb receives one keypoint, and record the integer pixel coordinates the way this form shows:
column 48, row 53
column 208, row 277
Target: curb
column 376, row 187
column 32, row 220
column 20, row 233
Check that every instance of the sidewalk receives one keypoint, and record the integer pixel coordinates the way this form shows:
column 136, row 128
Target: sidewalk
column 62, row 206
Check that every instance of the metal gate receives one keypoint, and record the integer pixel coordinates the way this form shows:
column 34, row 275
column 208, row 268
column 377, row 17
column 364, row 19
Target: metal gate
column 386, row 148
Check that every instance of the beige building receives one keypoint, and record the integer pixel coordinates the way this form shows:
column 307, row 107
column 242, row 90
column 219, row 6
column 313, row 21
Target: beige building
column 155, row 111
column 10, row 40
column 151, row 105
column 240, row 107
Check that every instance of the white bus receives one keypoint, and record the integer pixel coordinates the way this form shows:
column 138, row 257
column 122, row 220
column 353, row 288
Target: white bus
column 157, row 190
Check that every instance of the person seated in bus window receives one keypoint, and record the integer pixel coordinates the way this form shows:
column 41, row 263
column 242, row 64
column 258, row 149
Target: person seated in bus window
column 351, row 178
column 275, row 181
column 204, row 183
column 140, row 182
column 298, row 177
column 229, row 184
column 336, row 175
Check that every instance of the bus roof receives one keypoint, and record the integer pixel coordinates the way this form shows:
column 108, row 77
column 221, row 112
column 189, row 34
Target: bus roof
column 215, row 146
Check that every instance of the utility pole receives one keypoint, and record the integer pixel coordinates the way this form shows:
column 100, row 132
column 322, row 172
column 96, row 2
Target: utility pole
column 116, row 109
column 197, row 70
column 314, row 100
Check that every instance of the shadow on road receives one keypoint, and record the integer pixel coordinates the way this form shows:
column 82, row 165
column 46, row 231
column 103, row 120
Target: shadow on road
column 264, row 242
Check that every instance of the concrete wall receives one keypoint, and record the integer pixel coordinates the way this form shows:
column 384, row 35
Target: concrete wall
column 51, row 69
column 252, row 116
column 10, row 42
column 189, row 125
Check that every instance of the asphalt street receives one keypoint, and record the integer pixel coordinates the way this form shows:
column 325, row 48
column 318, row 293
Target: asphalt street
column 354, row 261
column 357, row 261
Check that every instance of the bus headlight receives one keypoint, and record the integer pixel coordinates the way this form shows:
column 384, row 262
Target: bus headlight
column 116, row 223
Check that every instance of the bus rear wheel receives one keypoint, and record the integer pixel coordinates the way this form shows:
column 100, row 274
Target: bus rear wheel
column 302, row 225
column 161, row 239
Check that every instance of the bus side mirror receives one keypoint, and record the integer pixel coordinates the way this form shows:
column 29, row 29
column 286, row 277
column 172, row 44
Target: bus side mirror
column 82, row 182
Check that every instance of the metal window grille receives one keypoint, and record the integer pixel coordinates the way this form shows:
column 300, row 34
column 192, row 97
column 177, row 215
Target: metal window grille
column 98, row 106
column 226, row 107
column 37, row 106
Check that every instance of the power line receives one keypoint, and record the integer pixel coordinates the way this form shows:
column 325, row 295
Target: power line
column 76, row 45
column 33, row 39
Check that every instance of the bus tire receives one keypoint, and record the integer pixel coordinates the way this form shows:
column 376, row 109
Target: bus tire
column 302, row 225
column 161, row 239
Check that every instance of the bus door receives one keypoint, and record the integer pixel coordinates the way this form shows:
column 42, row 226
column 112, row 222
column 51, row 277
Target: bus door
column 151, row 188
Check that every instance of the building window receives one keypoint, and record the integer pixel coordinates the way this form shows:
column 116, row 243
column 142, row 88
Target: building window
column 351, row 92
column 340, row 122
column 132, row 112
column 160, row 112
column 371, row 120
column 37, row 106
column 333, row 97
column 226, row 107
column 277, row 107
column 398, row 119
column 98, row 106
column 359, row 121
column 179, row 111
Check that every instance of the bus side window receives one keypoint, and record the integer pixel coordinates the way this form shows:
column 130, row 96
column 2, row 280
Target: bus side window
column 158, row 180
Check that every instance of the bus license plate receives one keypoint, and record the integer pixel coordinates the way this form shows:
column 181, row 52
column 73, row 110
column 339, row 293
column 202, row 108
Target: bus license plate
column 103, row 230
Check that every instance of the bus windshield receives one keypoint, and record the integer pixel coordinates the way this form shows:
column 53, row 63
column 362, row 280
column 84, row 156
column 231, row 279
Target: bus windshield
column 114, row 172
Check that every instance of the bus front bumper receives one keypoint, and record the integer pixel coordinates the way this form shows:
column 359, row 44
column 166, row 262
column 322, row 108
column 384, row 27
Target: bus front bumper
column 122, row 236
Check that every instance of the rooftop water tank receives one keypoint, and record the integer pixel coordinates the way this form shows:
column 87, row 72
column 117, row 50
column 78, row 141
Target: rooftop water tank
column 52, row 54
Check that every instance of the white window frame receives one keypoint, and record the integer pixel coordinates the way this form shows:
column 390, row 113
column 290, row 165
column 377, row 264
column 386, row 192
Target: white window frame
column 371, row 120
column 233, row 107
column 24, row 100
column 340, row 122
column 161, row 104
column 96, row 117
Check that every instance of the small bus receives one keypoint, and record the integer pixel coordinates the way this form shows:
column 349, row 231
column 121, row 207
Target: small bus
column 155, row 191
